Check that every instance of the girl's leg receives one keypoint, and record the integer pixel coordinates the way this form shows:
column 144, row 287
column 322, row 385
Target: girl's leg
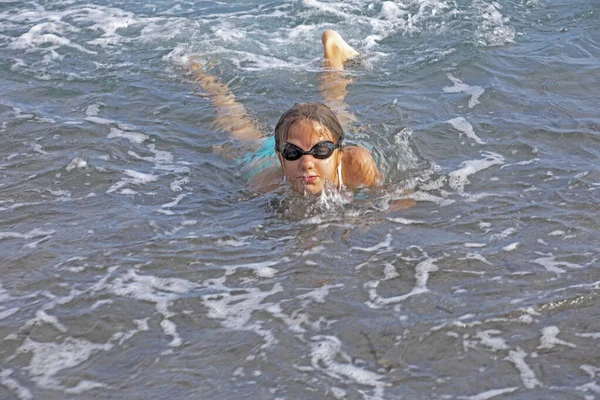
column 232, row 116
column 335, row 50
column 333, row 83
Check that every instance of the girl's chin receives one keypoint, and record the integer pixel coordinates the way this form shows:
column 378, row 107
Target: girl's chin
column 309, row 188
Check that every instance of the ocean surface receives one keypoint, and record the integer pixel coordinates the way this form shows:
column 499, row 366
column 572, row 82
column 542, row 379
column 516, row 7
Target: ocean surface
column 136, row 263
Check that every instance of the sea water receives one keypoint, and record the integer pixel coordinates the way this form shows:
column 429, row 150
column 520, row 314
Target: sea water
column 135, row 262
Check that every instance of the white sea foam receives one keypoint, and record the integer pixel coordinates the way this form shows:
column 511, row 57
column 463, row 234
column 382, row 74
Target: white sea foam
column 49, row 359
column 389, row 272
column 134, row 137
column 504, row 234
column 459, row 178
column 161, row 291
column 591, row 370
column 511, row 247
column 7, row 313
column 319, row 294
column 234, row 308
column 494, row 343
column 549, row 338
column 422, row 271
column 421, row 195
column 76, row 162
column 41, row 317
column 231, row 243
column 175, row 201
column 135, row 178
column 406, row 221
column 474, row 245
column 492, row 29
column 386, row 245
column 177, row 184
column 45, row 37
column 594, row 335
column 38, row 148
column 474, row 91
column 36, row 232
column 517, row 357
column 476, row 256
column 338, row 393
column 325, row 353
column 464, row 126
column 122, row 337
column 93, row 110
column 261, row 269
column 99, row 120
column 589, row 387
column 12, row 384
column 489, row 394
column 551, row 265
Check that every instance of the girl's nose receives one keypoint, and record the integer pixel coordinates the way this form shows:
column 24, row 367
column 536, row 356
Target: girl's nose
column 307, row 161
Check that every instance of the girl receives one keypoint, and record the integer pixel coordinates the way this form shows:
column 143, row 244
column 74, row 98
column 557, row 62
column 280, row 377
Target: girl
column 308, row 139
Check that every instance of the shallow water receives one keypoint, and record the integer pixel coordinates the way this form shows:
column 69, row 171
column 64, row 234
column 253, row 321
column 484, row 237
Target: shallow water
column 135, row 262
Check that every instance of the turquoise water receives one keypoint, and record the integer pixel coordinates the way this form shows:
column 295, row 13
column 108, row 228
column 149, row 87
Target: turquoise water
column 135, row 261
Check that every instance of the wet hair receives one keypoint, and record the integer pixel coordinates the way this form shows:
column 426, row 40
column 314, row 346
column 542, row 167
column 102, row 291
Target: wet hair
column 317, row 112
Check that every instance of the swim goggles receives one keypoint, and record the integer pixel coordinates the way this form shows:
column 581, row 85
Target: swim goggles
column 321, row 150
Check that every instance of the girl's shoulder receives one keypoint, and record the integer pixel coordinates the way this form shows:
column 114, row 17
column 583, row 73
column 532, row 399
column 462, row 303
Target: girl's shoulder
column 358, row 167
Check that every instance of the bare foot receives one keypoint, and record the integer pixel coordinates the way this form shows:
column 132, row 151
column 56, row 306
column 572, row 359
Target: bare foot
column 336, row 50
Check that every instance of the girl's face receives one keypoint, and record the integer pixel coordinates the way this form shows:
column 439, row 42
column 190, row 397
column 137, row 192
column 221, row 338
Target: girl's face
column 309, row 173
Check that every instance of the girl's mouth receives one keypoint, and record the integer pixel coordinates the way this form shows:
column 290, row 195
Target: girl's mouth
column 305, row 180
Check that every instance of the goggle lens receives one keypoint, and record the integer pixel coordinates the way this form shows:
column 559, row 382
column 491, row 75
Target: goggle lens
column 321, row 150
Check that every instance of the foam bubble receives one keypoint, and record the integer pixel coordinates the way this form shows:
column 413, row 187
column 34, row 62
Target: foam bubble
column 76, row 162
column 504, row 234
column 30, row 235
column 517, row 357
column 492, row 30
column 511, row 247
column 234, row 309
column 161, row 291
column 135, row 178
column 489, row 394
column 319, row 294
column 474, row 245
column 464, row 126
column 459, row 86
column 173, row 203
column 326, row 350
column 231, row 243
column 99, row 121
column 50, row 358
column 12, row 384
column 551, row 265
column 591, row 370
column 7, row 313
column 422, row 271
column 406, row 221
column 389, row 272
column 261, row 269
column 549, row 338
column 459, row 178
column 494, row 343
column 421, row 195
column 93, row 110
column 386, row 245
column 476, row 256
column 595, row 335
column 134, row 137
